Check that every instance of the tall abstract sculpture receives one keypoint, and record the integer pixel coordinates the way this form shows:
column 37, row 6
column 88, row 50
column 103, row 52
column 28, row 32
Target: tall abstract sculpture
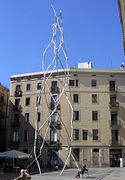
column 57, row 43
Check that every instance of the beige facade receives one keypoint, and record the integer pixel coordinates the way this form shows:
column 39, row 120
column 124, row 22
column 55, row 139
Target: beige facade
column 3, row 116
column 98, row 100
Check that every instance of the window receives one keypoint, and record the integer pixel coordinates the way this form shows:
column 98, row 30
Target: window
column 27, row 117
column 84, row 135
column 27, row 101
column 75, row 115
column 75, row 134
column 76, row 153
column 94, row 98
column 114, row 119
column 93, row 83
column 115, row 137
column 54, row 84
column 38, row 118
column 112, row 85
column 16, row 118
column 53, row 136
column 39, row 86
column 15, row 136
column 2, row 99
column 95, row 134
column 38, row 100
column 53, row 100
column 94, row 115
column 26, row 135
column 73, row 82
column 17, row 102
column 75, row 98
column 54, row 117
column 113, row 98
column 18, row 87
column 28, row 87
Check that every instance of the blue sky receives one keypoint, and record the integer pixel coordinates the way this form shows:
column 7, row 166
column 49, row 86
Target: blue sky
column 92, row 32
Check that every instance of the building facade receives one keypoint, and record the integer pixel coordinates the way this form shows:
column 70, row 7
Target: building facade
column 98, row 100
column 4, row 92
column 121, row 5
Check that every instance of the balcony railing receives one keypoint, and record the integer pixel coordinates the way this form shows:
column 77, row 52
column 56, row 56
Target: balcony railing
column 17, row 108
column 15, row 125
column 53, row 105
column 55, row 143
column 116, row 142
column 114, row 104
column 18, row 93
column 55, row 90
column 14, row 143
column 57, row 125
column 113, row 89
column 115, row 124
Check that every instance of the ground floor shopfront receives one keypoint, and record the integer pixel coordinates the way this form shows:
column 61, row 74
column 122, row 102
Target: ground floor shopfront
column 99, row 156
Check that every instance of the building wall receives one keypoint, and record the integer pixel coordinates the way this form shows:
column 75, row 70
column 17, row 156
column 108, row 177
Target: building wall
column 95, row 153
column 3, row 116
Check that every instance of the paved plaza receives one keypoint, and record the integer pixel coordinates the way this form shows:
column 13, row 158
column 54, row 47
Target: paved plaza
column 69, row 174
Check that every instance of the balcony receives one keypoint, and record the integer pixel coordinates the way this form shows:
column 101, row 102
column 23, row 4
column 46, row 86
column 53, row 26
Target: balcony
column 57, row 125
column 113, row 89
column 116, row 124
column 55, row 143
column 14, row 143
column 114, row 104
column 115, row 142
column 55, row 90
column 18, row 93
column 53, row 106
column 17, row 108
column 15, row 125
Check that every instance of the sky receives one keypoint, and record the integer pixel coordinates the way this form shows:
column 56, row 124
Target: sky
column 92, row 32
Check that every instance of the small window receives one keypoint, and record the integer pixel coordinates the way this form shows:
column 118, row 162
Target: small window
column 95, row 134
column 27, row 117
column 84, row 135
column 28, row 87
column 53, row 136
column 38, row 100
column 77, row 83
column 94, row 115
column 38, row 118
column 75, row 134
column 16, row 118
column 54, row 84
column 15, row 136
column 112, row 85
column 75, row 98
column 27, row 101
column 94, row 98
column 95, row 150
column 93, row 83
column 71, row 83
column 2, row 99
column 76, row 153
column 54, row 117
column 39, row 86
column 75, row 115
column 18, row 87
column 17, row 102
column 26, row 135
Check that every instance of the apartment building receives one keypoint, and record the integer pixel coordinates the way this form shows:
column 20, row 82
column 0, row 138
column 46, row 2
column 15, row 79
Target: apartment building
column 98, row 100
column 4, row 92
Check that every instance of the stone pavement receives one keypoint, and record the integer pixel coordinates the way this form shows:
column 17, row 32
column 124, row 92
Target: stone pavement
column 69, row 174
column 94, row 174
